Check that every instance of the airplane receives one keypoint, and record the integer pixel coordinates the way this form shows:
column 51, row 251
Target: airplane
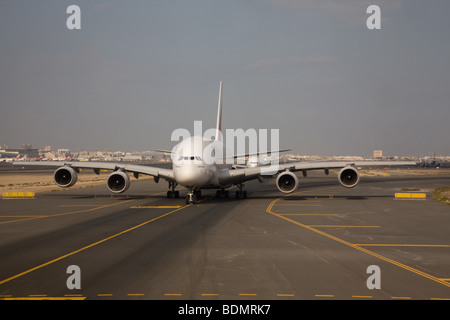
column 195, row 173
column 429, row 163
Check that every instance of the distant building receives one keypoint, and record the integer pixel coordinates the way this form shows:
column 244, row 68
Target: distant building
column 378, row 153
column 26, row 150
column 132, row 158
column 64, row 151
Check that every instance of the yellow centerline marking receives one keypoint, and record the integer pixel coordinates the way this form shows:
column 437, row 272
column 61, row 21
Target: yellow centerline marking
column 71, row 212
column 357, row 247
column 82, row 297
column 93, row 244
column 44, row 298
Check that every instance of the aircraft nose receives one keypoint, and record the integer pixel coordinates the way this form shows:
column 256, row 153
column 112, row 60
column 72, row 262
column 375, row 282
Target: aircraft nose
column 185, row 175
column 189, row 175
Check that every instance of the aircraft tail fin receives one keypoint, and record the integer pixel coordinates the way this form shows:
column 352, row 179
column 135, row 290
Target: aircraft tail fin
column 219, row 115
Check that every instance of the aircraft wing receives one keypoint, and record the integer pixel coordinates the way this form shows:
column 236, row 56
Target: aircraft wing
column 246, row 174
column 134, row 168
column 299, row 166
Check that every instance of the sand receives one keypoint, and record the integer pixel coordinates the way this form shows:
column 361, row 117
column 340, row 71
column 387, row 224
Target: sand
column 43, row 182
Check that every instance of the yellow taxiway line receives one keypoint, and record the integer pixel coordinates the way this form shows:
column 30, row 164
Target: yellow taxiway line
column 91, row 245
column 352, row 245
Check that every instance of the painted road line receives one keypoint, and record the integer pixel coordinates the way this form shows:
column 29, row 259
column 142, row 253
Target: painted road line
column 354, row 246
column 44, row 298
column 71, row 212
column 91, row 245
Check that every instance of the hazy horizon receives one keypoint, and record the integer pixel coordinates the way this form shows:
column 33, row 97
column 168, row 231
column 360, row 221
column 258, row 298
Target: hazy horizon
column 138, row 70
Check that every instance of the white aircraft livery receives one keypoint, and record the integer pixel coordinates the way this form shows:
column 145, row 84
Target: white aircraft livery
column 193, row 171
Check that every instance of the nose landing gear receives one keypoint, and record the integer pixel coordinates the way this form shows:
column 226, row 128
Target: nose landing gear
column 193, row 195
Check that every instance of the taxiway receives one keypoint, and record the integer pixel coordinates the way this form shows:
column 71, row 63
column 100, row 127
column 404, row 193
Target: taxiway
column 314, row 244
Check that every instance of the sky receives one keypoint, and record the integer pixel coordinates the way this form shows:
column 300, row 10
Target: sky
column 137, row 70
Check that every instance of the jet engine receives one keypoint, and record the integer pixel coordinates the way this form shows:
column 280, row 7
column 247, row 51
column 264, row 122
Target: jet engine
column 348, row 177
column 118, row 182
column 287, row 182
column 65, row 177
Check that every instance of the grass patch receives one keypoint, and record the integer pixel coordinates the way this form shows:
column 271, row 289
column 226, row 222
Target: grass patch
column 442, row 195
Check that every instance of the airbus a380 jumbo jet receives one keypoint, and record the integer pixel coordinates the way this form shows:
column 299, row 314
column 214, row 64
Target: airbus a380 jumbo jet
column 194, row 173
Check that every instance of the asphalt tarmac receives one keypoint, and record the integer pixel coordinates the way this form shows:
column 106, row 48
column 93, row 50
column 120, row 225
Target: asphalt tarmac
column 318, row 243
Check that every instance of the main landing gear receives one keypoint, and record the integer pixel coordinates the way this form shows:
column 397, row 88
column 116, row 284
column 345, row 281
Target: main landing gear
column 240, row 194
column 172, row 193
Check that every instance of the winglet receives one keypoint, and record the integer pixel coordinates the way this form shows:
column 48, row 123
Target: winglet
column 219, row 115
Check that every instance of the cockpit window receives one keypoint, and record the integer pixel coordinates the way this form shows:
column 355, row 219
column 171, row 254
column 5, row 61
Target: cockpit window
column 190, row 158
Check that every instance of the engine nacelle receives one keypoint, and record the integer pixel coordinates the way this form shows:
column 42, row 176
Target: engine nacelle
column 65, row 177
column 348, row 177
column 287, row 182
column 118, row 182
